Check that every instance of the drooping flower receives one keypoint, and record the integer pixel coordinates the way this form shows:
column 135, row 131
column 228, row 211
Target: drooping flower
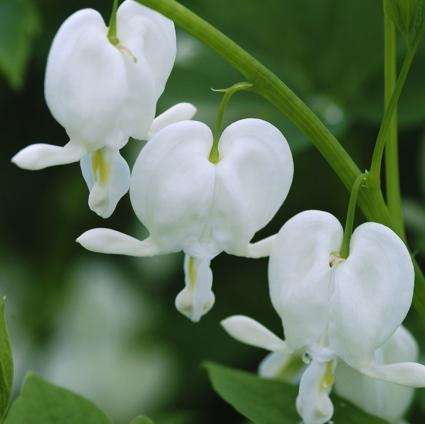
column 388, row 401
column 202, row 208
column 103, row 93
column 335, row 309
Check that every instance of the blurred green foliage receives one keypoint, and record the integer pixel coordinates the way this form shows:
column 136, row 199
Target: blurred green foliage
column 84, row 320
column 19, row 24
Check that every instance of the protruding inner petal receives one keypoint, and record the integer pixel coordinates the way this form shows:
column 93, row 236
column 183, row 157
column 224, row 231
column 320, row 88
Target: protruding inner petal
column 251, row 332
column 104, row 240
column 176, row 113
column 197, row 298
column 409, row 374
column 108, row 178
column 39, row 156
column 313, row 402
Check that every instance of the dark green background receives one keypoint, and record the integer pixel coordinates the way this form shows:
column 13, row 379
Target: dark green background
column 106, row 326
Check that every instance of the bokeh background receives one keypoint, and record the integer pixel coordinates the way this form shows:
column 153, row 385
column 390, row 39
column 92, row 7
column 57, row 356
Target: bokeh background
column 106, row 326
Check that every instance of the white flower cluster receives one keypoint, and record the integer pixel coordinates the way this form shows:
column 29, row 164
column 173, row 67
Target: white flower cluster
column 343, row 316
column 103, row 94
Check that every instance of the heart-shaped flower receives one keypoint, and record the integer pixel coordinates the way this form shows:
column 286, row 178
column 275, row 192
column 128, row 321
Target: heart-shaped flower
column 388, row 401
column 202, row 208
column 334, row 308
column 103, row 93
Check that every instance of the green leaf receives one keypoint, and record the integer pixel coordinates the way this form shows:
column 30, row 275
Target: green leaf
column 19, row 24
column 407, row 15
column 272, row 402
column 142, row 420
column 41, row 402
column 6, row 364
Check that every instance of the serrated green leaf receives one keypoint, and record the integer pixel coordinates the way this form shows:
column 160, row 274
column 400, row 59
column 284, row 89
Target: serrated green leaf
column 272, row 402
column 142, row 420
column 19, row 24
column 6, row 363
column 41, row 402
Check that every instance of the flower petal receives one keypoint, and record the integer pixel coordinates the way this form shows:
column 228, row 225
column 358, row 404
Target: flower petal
column 104, row 240
column 176, row 113
column 39, row 156
column 197, row 298
column 385, row 400
column 259, row 249
column 282, row 366
column 86, row 81
column 137, row 112
column 251, row 332
column 108, row 178
column 313, row 402
column 148, row 34
column 373, row 293
column 409, row 374
column 172, row 188
column 254, row 175
column 272, row 364
column 300, row 275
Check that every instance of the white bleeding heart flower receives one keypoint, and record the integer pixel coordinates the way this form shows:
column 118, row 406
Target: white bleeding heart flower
column 202, row 208
column 103, row 93
column 388, row 401
column 335, row 309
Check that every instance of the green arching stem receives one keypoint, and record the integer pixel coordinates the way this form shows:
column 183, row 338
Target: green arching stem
column 214, row 156
column 351, row 212
column 375, row 168
column 112, row 31
column 269, row 86
column 392, row 177
column 277, row 93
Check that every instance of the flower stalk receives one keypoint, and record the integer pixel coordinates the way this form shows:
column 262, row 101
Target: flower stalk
column 351, row 212
column 214, row 156
column 392, row 175
column 387, row 121
column 112, row 30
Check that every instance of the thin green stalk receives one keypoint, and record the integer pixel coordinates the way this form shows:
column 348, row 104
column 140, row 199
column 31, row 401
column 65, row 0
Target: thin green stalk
column 214, row 156
column 375, row 168
column 351, row 213
column 392, row 175
column 273, row 89
column 112, row 31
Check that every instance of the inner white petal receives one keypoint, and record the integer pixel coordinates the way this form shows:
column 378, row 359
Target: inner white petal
column 197, row 298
